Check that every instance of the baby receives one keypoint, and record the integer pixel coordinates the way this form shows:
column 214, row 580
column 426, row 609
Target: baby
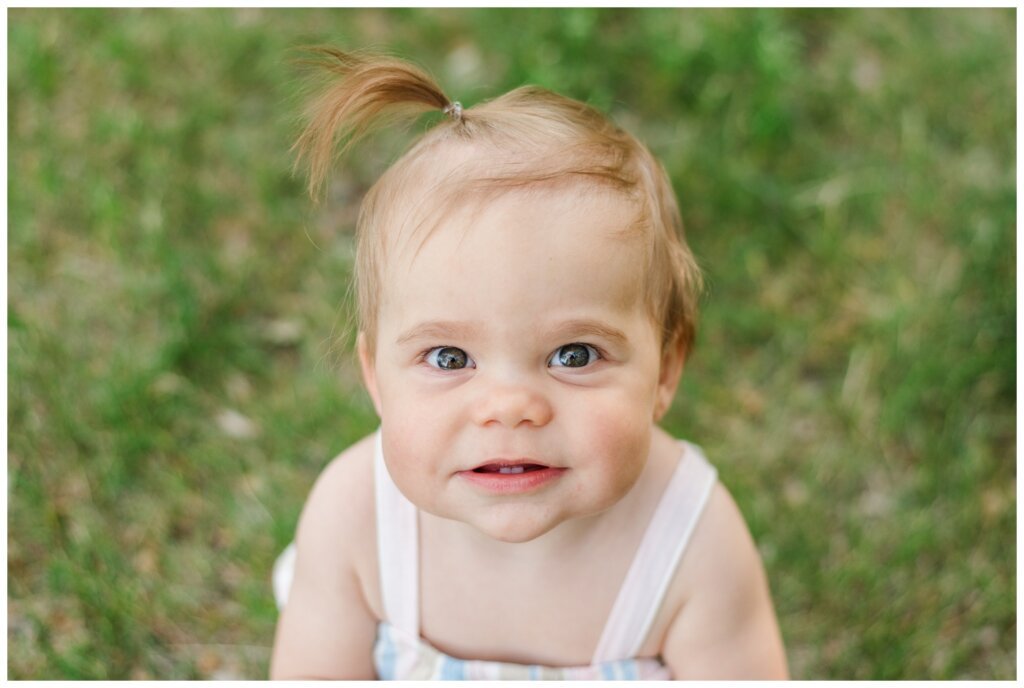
column 526, row 305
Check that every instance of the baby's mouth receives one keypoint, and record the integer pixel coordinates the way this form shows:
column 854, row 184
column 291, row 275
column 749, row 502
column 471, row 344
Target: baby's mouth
column 507, row 476
column 509, row 468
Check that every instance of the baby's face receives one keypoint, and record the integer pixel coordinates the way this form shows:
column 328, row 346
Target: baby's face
column 517, row 371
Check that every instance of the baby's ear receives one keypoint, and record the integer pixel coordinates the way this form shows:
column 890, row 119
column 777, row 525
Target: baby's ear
column 673, row 357
column 369, row 372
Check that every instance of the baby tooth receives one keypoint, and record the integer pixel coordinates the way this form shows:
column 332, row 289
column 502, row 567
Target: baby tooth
column 511, row 469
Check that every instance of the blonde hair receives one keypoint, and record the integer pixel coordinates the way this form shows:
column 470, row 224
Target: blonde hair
column 528, row 138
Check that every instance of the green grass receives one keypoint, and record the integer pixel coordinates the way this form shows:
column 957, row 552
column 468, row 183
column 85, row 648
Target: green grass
column 847, row 179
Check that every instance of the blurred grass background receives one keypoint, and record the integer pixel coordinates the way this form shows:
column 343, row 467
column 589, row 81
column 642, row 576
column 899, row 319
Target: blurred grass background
column 847, row 178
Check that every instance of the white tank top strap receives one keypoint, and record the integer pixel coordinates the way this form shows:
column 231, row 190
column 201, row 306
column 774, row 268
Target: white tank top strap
column 657, row 557
column 397, row 549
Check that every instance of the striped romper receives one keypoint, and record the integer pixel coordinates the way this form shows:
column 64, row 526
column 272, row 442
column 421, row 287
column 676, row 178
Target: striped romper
column 400, row 652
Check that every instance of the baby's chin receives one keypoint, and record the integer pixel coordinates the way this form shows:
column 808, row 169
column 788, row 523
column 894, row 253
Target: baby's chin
column 520, row 523
column 517, row 532
column 503, row 525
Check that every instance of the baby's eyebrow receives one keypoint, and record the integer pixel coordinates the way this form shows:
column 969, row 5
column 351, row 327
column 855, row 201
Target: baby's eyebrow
column 584, row 328
column 438, row 330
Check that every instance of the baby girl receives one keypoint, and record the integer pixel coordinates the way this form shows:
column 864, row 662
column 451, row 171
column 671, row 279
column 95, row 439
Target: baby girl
column 526, row 305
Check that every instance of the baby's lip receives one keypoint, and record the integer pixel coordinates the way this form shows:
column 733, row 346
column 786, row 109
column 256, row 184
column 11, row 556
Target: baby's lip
column 493, row 465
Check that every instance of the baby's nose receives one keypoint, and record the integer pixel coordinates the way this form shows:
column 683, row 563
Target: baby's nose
column 511, row 406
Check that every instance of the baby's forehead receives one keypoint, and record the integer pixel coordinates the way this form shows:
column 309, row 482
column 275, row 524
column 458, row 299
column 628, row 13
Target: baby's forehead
column 562, row 244
column 592, row 219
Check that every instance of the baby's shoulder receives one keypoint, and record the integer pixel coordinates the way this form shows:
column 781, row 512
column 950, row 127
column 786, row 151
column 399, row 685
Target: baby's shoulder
column 724, row 620
column 721, row 573
column 337, row 529
column 720, row 542
column 342, row 496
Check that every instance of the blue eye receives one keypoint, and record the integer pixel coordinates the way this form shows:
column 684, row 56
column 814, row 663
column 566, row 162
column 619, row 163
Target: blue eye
column 573, row 356
column 449, row 358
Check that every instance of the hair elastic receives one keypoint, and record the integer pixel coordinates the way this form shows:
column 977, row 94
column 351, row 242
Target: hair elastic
column 454, row 110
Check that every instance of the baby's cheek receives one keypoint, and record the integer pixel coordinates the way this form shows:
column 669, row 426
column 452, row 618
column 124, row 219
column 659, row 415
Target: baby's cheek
column 407, row 463
column 411, row 420
column 622, row 437
column 407, row 443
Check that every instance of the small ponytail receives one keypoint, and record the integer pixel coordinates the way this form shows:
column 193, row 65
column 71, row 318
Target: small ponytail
column 364, row 92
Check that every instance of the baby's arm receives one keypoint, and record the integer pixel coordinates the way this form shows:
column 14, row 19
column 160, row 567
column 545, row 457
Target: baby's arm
column 326, row 629
column 726, row 628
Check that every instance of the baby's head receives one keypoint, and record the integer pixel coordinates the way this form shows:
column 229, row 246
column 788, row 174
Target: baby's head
column 527, row 140
column 525, row 296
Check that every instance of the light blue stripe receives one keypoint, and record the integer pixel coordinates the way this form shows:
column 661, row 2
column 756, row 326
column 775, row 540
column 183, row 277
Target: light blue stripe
column 386, row 654
column 386, row 651
column 452, row 669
